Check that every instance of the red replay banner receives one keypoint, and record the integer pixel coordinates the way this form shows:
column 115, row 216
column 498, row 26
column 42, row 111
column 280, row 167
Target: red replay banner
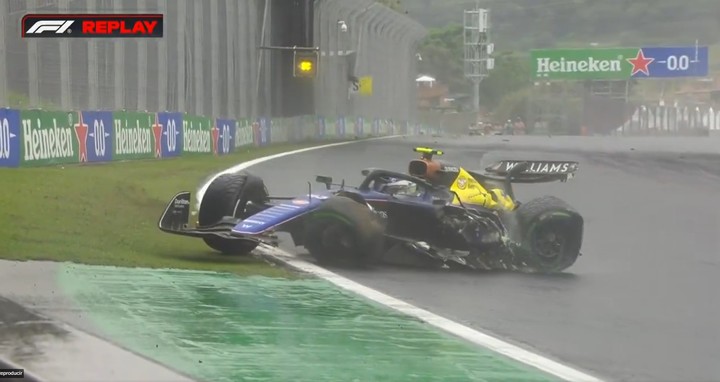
column 92, row 25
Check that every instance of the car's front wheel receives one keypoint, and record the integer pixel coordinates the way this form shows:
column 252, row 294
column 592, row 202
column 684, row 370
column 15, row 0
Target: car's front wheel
column 221, row 198
column 343, row 232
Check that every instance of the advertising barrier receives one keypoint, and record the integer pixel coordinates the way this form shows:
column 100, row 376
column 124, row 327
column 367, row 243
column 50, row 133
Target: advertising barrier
column 199, row 136
column 321, row 128
column 136, row 135
column 223, row 135
column 340, row 127
column 10, row 138
column 172, row 137
column 41, row 137
column 50, row 137
column 244, row 135
column 94, row 134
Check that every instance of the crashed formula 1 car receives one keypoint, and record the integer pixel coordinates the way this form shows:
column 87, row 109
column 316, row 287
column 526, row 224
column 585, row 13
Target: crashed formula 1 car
column 431, row 216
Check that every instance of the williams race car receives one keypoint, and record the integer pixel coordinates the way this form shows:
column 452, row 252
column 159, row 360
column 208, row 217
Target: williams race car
column 437, row 214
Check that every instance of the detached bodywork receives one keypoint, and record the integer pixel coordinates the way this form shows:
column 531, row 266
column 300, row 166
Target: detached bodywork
column 434, row 215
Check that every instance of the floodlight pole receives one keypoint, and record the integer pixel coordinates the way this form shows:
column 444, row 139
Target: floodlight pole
column 477, row 49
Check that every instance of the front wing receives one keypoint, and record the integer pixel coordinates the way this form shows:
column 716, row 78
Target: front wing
column 175, row 220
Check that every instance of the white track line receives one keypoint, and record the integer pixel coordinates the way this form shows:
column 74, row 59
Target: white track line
column 495, row 344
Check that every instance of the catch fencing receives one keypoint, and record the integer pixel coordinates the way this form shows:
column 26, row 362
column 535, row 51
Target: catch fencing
column 203, row 65
column 576, row 108
column 672, row 120
column 363, row 39
column 207, row 62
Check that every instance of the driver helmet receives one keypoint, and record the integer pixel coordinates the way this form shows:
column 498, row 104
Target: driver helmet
column 400, row 186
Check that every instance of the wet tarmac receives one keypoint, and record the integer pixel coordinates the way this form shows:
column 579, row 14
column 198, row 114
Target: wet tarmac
column 639, row 305
column 50, row 350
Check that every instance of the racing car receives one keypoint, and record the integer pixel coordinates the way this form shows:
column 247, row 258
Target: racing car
column 430, row 216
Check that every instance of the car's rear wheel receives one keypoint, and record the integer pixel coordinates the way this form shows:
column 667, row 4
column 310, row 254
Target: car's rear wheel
column 221, row 198
column 550, row 234
column 344, row 232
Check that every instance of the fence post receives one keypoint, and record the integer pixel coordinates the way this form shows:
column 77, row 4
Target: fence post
column 142, row 56
column 163, row 65
column 4, row 10
column 119, row 65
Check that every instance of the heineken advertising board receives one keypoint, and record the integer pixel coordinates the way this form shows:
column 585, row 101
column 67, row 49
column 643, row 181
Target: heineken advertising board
column 244, row 133
column 135, row 136
column 49, row 137
column 39, row 137
column 10, row 138
column 619, row 63
column 198, row 135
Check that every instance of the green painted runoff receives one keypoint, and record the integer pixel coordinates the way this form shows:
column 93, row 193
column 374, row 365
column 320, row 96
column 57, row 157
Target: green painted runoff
column 223, row 327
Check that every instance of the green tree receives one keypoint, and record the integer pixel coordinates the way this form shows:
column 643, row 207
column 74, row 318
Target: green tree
column 512, row 105
column 442, row 57
column 511, row 74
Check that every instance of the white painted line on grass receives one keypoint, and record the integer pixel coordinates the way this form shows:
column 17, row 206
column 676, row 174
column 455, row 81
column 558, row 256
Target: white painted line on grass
column 487, row 341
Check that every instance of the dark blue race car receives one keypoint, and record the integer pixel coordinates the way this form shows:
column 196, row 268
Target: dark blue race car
column 393, row 217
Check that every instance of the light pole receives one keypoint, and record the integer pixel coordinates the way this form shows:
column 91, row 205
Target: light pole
column 477, row 49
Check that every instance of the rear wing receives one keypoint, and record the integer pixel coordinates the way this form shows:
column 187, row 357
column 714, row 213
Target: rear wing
column 532, row 171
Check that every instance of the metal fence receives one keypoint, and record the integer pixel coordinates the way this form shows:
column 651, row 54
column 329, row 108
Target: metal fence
column 376, row 42
column 202, row 66
column 207, row 63
column 671, row 120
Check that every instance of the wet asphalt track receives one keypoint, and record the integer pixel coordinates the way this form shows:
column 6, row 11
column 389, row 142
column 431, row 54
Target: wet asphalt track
column 643, row 303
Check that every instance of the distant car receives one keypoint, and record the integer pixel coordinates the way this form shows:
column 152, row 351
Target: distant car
column 438, row 224
column 476, row 130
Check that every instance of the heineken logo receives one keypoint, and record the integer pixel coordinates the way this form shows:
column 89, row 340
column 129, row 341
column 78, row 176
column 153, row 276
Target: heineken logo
column 132, row 139
column 588, row 64
column 547, row 65
column 243, row 136
column 197, row 137
column 47, row 142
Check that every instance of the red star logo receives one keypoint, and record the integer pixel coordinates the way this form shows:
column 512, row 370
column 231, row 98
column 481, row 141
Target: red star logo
column 81, row 133
column 157, row 133
column 640, row 63
column 215, row 135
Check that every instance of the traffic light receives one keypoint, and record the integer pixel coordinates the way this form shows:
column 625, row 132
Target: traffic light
column 305, row 64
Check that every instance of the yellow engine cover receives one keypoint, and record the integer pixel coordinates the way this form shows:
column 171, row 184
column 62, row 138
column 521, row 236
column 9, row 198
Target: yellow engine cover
column 471, row 191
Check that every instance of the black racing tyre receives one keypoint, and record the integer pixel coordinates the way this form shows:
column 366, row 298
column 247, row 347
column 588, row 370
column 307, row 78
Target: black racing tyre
column 220, row 199
column 550, row 234
column 344, row 232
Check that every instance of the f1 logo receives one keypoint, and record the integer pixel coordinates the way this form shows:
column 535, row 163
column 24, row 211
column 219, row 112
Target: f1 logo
column 43, row 25
column 57, row 26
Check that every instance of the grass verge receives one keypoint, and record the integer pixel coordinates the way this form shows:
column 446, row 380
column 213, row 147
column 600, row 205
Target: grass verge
column 106, row 214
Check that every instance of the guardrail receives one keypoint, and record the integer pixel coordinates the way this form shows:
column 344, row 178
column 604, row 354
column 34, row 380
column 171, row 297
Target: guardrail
column 672, row 120
column 42, row 137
